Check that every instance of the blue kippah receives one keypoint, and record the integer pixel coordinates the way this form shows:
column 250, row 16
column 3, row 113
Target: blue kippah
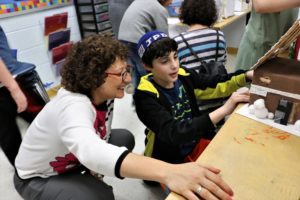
column 147, row 39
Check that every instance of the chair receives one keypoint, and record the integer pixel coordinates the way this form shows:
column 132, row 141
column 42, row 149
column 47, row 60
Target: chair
column 27, row 78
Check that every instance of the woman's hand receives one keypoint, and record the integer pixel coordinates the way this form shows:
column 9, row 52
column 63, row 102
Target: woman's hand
column 193, row 180
column 19, row 98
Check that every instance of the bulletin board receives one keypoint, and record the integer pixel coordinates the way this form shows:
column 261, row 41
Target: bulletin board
column 12, row 7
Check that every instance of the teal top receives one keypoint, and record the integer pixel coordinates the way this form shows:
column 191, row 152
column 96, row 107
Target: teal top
column 262, row 32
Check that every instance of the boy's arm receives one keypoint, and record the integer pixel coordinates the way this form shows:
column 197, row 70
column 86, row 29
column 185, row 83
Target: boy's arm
column 268, row 6
column 219, row 86
column 226, row 109
column 10, row 83
column 157, row 118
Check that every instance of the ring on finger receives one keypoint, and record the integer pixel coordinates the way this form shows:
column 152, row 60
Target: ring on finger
column 199, row 189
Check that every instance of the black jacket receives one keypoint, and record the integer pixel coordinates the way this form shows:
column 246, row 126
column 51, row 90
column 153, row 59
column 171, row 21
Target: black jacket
column 153, row 109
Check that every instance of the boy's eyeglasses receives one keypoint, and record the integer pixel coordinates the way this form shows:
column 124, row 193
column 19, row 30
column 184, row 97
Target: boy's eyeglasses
column 126, row 71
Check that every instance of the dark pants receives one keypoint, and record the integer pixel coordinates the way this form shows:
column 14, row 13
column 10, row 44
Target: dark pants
column 73, row 185
column 10, row 136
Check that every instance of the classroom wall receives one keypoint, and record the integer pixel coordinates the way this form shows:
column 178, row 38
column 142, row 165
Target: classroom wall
column 26, row 34
column 234, row 32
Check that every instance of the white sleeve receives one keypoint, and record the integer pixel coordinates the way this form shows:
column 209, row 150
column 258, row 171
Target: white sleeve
column 76, row 129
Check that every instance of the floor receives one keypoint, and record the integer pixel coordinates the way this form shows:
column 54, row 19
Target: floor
column 126, row 189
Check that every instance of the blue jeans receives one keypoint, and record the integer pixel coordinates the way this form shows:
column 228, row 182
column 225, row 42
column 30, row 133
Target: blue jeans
column 135, row 61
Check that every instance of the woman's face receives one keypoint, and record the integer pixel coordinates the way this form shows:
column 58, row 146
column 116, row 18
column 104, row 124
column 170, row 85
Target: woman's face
column 118, row 76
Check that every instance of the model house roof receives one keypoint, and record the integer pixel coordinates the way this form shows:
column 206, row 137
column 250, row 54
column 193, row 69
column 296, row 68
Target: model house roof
column 283, row 44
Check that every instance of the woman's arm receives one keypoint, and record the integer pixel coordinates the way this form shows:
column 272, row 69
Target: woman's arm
column 183, row 179
column 268, row 6
column 10, row 83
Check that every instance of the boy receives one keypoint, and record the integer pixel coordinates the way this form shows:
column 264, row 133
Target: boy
column 166, row 103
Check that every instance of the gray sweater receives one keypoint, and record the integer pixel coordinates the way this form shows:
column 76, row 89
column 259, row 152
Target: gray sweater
column 141, row 17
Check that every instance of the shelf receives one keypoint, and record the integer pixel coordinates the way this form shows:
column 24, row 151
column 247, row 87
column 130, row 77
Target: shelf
column 93, row 16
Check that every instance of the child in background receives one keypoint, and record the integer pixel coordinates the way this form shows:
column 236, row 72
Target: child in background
column 201, row 43
column 207, row 43
column 166, row 103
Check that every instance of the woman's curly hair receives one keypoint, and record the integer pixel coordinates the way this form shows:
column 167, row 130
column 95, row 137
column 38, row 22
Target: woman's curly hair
column 86, row 63
column 202, row 12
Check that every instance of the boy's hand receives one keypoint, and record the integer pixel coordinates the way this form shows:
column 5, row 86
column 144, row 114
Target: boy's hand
column 235, row 98
column 249, row 74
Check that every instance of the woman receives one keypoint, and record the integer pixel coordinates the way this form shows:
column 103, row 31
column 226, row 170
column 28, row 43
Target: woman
column 269, row 20
column 65, row 151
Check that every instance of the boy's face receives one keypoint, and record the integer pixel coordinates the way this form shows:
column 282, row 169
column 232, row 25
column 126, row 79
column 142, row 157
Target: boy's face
column 165, row 70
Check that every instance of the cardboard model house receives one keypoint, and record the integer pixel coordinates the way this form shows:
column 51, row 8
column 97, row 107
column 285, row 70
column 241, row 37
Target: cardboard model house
column 277, row 80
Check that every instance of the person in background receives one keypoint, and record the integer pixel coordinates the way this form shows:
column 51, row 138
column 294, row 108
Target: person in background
column 116, row 10
column 201, row 43
column 269, row 20
column 12, row 102
column 140, row 17
column 207, row 43
column 166, row 103
column 70, row 144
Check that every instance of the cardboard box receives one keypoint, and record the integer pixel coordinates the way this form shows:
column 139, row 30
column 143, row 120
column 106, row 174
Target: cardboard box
column 275, row 80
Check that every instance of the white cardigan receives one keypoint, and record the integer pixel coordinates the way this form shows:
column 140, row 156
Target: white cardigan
column 64, row 126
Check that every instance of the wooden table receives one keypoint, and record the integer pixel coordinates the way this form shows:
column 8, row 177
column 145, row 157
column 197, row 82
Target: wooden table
column 259, row 162
column 218, row 25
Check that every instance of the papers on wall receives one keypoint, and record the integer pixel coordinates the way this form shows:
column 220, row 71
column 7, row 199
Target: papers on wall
column 58, row 38
column 55, row 22
column 60, row 52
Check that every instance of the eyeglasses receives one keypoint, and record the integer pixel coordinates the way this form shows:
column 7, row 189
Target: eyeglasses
column 126, row 71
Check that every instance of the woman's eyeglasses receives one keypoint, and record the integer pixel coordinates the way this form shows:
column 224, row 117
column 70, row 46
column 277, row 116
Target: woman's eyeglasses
column 126, row 71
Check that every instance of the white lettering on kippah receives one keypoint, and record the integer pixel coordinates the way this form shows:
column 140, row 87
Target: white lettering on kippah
column 148, row 42
column 155, row 37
